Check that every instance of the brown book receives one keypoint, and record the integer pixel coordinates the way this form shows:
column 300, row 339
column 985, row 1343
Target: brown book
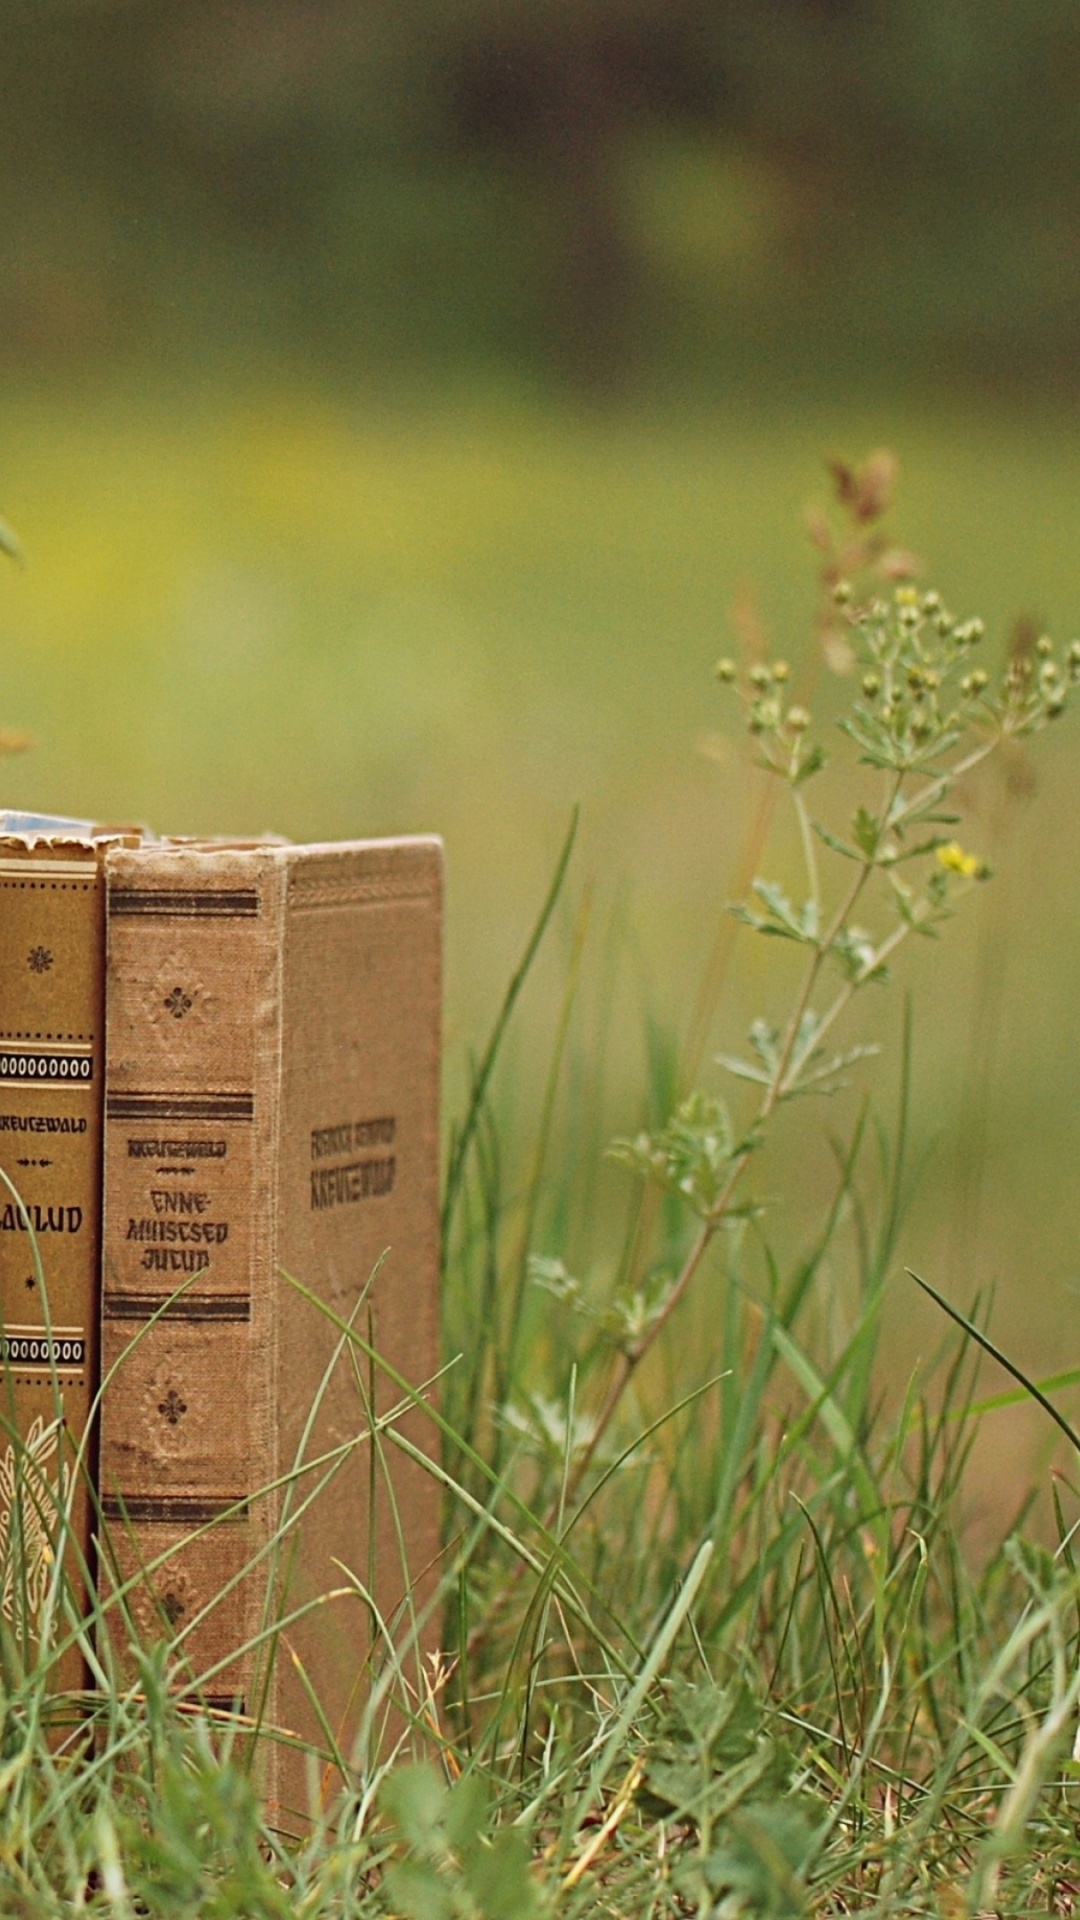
column 273, row 1043
column 51, row 1074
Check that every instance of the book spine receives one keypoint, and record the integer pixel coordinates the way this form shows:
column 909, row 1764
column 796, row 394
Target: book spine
column 272, row 1109
column 51, row 1076
column 358, row 1229
column 192, row 1068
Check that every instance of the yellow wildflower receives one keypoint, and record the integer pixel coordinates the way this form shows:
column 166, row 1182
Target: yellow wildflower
column 955, row 860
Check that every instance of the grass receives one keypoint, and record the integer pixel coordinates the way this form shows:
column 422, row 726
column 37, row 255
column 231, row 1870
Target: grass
column 749, row 1668
column 750, row 1662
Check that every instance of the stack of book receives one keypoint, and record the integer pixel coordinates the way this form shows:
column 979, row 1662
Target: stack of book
column 219, row 1071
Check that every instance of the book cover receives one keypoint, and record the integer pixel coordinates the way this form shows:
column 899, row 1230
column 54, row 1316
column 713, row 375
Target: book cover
column 273, row 1044
column 51, row 1061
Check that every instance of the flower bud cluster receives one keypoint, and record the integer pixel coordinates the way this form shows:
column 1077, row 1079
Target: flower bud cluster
column 914, row 654
column 769, row 712
column 1036, row 687
column 920, row 690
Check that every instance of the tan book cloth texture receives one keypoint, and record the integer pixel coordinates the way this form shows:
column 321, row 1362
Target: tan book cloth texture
column 51, row 1073
column 273, row 1054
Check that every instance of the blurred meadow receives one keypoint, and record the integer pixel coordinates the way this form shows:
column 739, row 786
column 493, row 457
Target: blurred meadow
column 403, row 405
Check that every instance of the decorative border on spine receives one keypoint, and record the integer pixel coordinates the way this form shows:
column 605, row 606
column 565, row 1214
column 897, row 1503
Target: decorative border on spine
column 182, row 903
column 174, row 1509
column 189, row 1306
column 179, row 1106
column 50, row 870
column 36, row 1066
column 34, row 1349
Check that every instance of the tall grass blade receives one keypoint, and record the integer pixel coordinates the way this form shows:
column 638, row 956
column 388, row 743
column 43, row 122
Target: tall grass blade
column 983, row 1340
column 462, row 1139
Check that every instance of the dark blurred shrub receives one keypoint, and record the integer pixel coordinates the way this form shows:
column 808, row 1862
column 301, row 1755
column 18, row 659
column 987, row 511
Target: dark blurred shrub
column 577, row 186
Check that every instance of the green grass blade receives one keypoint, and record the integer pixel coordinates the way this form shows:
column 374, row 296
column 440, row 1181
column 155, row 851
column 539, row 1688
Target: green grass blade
column 481, row 1078
column 983, row 1340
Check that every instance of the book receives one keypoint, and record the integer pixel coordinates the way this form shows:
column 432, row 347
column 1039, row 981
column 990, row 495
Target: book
column 51, row 1059
column 272, row 1072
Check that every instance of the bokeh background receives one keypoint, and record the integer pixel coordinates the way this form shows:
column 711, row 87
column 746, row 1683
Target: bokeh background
column 397, row 398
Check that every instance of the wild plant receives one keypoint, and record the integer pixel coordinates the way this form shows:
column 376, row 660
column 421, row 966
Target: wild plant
column 837, row 1577
column 927, row 714
column 711, row 1641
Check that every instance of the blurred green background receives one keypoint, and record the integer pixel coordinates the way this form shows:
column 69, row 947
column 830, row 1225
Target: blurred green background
column 397, row 396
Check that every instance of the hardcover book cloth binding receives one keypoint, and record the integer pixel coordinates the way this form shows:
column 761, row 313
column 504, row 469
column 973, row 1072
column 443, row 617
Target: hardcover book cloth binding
column 51, row 1074
column 273, row 1049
